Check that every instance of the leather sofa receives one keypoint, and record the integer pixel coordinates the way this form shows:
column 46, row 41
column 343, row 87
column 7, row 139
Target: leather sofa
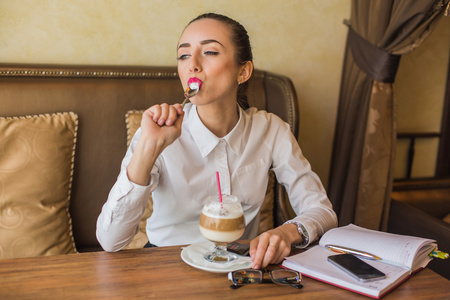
column 99, row 97
column 422, row 208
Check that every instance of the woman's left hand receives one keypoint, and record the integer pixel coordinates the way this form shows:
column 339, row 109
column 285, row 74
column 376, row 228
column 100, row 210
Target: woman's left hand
column 272, row 246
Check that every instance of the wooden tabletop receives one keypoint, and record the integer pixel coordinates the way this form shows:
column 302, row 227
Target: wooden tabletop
column 161, row 273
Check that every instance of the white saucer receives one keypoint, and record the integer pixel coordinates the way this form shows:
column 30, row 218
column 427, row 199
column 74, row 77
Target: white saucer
column 193, row 255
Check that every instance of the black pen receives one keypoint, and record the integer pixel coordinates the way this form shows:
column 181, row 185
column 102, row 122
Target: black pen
column 343, row 250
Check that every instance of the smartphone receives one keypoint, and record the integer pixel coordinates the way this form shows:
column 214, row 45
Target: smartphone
column 238, row 248
column 356, row 267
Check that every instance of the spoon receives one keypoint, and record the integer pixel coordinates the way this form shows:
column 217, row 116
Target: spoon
column 194, row 86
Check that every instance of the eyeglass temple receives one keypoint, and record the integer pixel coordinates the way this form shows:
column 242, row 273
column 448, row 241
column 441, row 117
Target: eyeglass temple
column 265, row 280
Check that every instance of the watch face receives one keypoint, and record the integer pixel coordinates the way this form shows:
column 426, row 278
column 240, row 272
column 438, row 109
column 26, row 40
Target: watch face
column 302, row 231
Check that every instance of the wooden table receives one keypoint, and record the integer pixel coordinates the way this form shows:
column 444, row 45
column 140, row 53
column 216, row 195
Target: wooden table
column 161, row 273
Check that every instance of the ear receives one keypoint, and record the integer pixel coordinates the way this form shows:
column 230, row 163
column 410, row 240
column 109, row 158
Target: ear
column 246, row 72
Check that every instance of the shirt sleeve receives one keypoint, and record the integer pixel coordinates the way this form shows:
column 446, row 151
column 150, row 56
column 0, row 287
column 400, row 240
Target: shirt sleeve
column 305, row 190
column 119, row 219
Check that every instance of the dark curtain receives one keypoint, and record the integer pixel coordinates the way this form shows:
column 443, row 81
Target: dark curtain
column 380, row 31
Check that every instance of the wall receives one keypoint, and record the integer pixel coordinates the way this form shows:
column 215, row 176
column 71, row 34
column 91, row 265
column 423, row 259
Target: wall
column 302, row 39
column 420, row 90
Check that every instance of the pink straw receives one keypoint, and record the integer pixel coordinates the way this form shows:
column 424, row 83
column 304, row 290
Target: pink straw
column 218, row 186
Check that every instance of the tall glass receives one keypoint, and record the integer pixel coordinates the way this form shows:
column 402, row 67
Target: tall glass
column 222, row 223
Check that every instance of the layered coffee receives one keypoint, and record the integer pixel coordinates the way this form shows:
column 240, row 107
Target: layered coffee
column 222, row 222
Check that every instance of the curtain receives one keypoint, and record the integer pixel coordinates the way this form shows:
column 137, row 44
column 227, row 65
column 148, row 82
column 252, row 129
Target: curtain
column 380, row 31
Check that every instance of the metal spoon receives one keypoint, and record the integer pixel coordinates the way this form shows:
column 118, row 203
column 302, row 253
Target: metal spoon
column 191, row 91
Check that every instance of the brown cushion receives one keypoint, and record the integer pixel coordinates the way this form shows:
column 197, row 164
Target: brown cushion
column 133, row 122
column 36, row 167
column 446, row 219
column 267, row 222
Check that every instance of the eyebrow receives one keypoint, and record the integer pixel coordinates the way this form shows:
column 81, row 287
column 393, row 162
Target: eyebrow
column 204, row 42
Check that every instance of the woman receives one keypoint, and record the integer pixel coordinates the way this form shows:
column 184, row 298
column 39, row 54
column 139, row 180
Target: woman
column 177, row 151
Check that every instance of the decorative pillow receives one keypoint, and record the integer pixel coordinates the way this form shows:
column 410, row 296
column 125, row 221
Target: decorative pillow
column 36, row 167
column 133, row 122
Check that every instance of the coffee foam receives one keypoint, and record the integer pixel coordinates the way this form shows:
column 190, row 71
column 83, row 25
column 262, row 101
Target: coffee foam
column 215, row 211
column 230, row 208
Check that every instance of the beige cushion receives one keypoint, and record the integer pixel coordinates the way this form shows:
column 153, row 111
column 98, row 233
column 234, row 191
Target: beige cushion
column 133, row 122
column 36, row 167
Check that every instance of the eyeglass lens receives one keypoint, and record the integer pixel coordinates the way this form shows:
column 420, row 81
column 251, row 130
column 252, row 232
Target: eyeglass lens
column 285, row 277
column 281, row 276
column 247, row 277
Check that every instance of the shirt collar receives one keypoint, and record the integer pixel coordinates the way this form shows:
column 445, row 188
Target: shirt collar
column 206, row 140
column 235, row 137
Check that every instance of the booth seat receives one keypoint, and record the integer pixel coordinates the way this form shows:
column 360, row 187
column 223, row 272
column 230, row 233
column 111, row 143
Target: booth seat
column 63, row 134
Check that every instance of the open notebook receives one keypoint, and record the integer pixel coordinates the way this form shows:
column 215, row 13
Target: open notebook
column 401, row 256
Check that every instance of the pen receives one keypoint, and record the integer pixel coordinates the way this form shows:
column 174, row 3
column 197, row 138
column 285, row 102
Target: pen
column 438, row 254
column 343, row 250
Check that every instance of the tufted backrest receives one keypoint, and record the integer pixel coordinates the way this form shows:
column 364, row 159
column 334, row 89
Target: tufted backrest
column 101, row 96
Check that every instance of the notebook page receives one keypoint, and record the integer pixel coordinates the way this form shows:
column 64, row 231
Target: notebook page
column 313, row 263
column 396, row 249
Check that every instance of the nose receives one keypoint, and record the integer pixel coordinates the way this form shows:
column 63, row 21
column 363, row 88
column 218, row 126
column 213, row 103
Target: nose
column 195, row 64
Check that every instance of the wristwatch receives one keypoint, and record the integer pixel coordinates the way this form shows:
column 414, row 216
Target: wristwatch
column 302, row 231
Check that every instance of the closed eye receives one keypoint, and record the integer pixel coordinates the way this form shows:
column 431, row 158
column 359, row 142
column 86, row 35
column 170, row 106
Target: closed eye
column 183, row 57
column 211, row 53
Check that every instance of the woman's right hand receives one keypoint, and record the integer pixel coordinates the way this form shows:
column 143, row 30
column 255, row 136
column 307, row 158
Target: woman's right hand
column 161, row 124
column 160, row 127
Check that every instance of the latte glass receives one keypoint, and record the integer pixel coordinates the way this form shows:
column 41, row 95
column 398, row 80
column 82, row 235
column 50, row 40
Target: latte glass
column 222, row 223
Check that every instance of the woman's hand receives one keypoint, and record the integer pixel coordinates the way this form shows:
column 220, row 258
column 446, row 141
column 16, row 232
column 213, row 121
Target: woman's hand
column 272, row 246
column 162, row 123
column 160, row 127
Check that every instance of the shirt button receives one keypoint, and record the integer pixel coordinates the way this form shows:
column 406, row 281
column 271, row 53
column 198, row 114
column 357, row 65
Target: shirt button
column 221, row 156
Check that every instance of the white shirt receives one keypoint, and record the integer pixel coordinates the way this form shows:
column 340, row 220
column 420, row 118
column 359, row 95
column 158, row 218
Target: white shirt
column 184, row 176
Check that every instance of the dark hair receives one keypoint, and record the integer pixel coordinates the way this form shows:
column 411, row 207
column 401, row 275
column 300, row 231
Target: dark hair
column 241, row 41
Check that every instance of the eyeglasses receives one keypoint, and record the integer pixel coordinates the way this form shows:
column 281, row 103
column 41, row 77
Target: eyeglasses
column 251, row 276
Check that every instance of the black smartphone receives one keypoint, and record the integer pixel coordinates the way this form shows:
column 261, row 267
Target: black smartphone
column 356, row 267
column 238, row 248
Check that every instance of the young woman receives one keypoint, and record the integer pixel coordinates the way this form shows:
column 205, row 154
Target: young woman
column 176, row 153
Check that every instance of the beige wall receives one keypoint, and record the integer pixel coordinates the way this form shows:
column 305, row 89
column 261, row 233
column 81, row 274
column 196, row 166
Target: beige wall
column 302, row 39
column 420, row 90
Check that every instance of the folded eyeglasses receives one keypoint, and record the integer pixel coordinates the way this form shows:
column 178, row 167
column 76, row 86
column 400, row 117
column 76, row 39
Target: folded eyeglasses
column 250, row 276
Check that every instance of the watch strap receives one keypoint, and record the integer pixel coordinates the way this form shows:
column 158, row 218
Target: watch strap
column 302, row 231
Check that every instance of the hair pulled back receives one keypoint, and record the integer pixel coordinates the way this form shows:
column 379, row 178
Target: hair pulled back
column 243, row 49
